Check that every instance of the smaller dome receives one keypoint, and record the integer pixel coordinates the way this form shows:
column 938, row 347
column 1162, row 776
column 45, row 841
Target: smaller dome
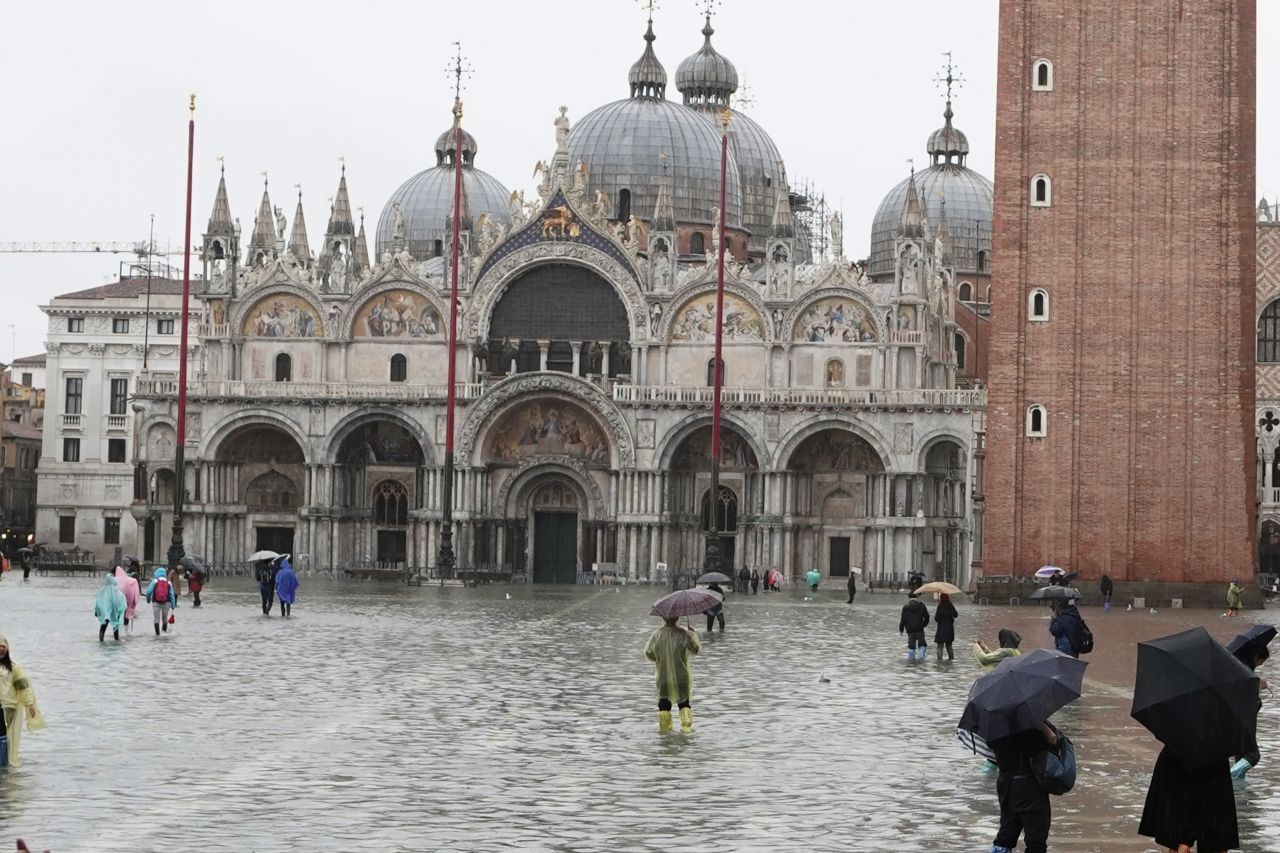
column 947, row 142
column 706, row 76
column 647, row 76
column 445, row 145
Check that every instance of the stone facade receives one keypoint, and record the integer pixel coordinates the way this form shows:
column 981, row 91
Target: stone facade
column 1127, row 197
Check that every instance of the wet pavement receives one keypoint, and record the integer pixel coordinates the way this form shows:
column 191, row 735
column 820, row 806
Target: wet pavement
column 385, row 718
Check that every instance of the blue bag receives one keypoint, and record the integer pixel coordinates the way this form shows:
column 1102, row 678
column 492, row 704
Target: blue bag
column 1055, row 767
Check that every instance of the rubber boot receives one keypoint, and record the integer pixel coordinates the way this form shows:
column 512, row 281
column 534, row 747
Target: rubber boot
column 686, row 720
column 157, row 630
column 102, row 631
column 116, row 634
column 939, row 652
column 995, row 848
column 923, row 651
column 664, row 721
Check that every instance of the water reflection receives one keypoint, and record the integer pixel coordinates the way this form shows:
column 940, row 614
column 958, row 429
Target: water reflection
column 381, row 718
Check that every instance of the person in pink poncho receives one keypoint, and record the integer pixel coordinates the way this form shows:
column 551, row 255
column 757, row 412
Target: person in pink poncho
column 129, row 586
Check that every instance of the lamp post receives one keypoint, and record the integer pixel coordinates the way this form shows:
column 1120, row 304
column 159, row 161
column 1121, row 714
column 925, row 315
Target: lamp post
column 445, row 559
column 712, row 561
column 176, row 551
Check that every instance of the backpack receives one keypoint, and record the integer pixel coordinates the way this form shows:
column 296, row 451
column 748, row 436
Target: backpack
column 1055, row 767
column 1084, row 638
column 160, row 595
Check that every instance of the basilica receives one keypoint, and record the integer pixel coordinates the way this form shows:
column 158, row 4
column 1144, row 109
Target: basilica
column 853, row 435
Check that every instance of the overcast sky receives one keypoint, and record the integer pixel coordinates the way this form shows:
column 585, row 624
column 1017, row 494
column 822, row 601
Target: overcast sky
column 95, row 105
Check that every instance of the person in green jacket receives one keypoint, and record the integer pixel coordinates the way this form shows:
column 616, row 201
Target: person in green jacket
column 1233, row 598
column 109, row 606
column 813, row 576
column 988, row 658
column 669, row 648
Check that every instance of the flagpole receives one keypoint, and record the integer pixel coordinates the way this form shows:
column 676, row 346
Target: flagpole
column 176, row 551
column 713, row 556
column 445, row 559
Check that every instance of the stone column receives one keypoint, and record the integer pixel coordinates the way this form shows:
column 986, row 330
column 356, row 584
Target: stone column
column 662, row 364
column 604, row 367
column 577, row 358
column 542, row 354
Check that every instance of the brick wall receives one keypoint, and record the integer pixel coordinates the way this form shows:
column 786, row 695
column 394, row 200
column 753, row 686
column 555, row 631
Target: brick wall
column 1147, row 251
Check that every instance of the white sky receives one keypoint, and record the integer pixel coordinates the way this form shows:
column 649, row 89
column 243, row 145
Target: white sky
column 95, row 105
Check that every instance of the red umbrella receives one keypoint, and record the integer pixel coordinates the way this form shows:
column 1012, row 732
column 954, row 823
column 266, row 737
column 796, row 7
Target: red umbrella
column 684, row 602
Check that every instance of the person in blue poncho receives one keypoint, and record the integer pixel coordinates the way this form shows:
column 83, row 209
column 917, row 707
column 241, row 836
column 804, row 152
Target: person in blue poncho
column 286, row 586
column 109, row 607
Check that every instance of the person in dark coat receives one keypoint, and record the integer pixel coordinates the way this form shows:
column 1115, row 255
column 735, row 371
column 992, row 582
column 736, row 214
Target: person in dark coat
column 1024, row 804
column 1065, row 627
column 944, row 617
column 717, row 612
column 266, row 577
column 1106, row 587
column 1252, row 657
column 744, row 578
column 755, row 581
column 915, row 617
column 1190, row 806
column 852, row 584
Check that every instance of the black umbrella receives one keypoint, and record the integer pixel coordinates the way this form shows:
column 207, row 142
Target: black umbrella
column 25, row 552
column 1051, row 593
column 1247, row 644
column 1196, row 697
column 1021, row 693
column 715, row 577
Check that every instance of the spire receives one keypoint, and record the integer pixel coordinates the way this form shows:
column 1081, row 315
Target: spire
column 664, row 215
column 944, row 233
column 706, row 77
column 648, row 78
column 298, row 240
column 362, row 247
column 220, row 219
column 912, row 217
column 783, row 225
column 262, row 242
column 340, row 217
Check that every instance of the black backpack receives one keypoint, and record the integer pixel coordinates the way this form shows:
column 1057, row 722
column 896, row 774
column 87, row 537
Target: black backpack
column 1084, row 638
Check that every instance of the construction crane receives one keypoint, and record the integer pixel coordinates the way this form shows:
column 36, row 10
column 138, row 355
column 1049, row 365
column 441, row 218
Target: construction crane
column 141, row 248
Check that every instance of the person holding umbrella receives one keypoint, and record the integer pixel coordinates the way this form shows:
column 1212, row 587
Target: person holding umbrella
column 1250, row 648
column 1106, row 587
column 944, row 617
column 1065, row 626
column 670, row 647
column 1202, row 704
column 265, row 574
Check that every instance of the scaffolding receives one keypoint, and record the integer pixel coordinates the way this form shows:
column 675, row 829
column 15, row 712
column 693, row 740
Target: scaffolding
column 812, row 217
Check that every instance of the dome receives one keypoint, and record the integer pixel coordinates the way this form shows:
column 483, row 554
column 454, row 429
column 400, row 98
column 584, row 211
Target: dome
column 622, row 144
column 968, row 196
column 706, row 77
column 426, row 200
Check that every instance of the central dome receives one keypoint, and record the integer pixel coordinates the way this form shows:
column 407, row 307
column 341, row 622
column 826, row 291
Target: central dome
column 623, row 144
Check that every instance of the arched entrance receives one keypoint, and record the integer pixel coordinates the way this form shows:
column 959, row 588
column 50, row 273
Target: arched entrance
column 378, row 481
column 554, row 506
column 726, row 522
column 837, row 479
column 689, row 494
column 262, row 466
column 944, row 547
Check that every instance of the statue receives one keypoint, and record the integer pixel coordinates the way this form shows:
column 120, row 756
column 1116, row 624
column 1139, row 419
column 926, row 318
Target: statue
column 777, row 320
column 655, row 319
column 837, row 235
column 510, row 352
column 516, row 208
column 624, row 359
column 561, row 123
column 595, row 358
column 338, row 269
column 603, row 208
column 280, row 225
column 480, row 352
column 397, row 228
column 635, row 231
column 661, row 265
column 580, row 180
column 715, row 234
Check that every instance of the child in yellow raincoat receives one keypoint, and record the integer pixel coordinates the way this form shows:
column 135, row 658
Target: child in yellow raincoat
column 669, row 648
column 18, row 704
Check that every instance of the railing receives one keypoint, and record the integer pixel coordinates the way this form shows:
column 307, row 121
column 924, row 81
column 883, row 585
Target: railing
column 905, row 337
column 361, row 391
column 1275, row 495
column 659, row 395
column 71, row 421
column 212, row 330
column 117, row 422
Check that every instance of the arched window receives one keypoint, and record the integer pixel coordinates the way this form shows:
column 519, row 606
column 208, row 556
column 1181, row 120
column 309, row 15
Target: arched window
column 271, row 491
column 1269, row 333
column 284, row 368
column 216, row 251
column 1038, row 304
column 399, row 368
column 1041, row 191
column 726, row 511
column 986, row 294
column 624, row 205
column 966, row 291
column 711, row 377
column 697, row 244
column 834, row 374
column 1037, row 421
column 959, row 351
column 1042, row 75
column 390, row 504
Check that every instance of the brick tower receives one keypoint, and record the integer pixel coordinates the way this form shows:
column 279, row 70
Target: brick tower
column 1120, row 436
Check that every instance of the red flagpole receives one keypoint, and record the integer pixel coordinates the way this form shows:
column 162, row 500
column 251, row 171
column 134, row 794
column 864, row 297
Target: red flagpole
column 445, row 559
column 176, row 551
column 713, row 560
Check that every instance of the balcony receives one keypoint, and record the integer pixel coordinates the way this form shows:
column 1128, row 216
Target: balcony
column 845, row 398
column 395, row 392
column 117, row 423
column 72, row 422
column 905, row 337
column 213, row 330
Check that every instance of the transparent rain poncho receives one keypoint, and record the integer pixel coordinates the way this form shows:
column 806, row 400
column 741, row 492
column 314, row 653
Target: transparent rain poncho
column 669, row 648
column 18, row 701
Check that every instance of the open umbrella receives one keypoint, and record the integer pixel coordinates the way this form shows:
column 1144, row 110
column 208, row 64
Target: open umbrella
column 25, row 552
column 940, row 587
column 1021, row 693
column 1048, row 571
column 975, row 744
column 257, row 556
column 1255, row 637
column 684, row 602
column 715, row 577
column 1196, row 697
column 1051, row 593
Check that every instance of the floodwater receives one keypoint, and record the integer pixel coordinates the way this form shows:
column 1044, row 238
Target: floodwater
column 385, row 718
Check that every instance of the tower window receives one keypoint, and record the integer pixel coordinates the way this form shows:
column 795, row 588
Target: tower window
column 966, row 291
column 1041, row 191
column 1037, row 421
column 399, row 368
column 1042, row 75
column 697, row 244
column 624, row 204
column 959, row 351
column 284, row 368
column 1269, row 333
column 982, row 261
column 1038, row 304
